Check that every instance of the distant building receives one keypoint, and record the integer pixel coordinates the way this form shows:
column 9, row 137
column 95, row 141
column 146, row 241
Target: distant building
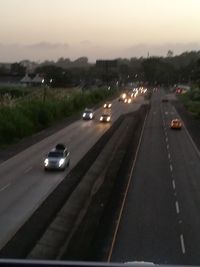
column 36, row 81
column 26, row 80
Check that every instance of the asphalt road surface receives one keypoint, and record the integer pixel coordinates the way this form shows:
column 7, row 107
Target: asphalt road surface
column 24, row 184
column 160, row 222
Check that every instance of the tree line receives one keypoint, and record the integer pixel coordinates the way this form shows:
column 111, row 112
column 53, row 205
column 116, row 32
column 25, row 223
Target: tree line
column 169, row 70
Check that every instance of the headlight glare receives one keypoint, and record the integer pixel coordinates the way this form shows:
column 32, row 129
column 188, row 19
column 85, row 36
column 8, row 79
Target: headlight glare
column 61, row 162
column 46, row 162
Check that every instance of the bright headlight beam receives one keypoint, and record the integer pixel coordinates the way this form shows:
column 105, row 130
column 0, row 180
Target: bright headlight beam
column 61, row 162
column 108, row 119
column 46, row 162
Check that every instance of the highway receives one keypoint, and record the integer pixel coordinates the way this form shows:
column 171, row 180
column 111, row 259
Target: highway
column 161, row 216
column 24, row 184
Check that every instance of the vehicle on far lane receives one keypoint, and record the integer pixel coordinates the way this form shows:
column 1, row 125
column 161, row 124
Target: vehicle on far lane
column 122, row 97
column 128, row 100
column 107, row 105
column 57, row 159
column 88, row 114
column 105, row 117
column 176, row 124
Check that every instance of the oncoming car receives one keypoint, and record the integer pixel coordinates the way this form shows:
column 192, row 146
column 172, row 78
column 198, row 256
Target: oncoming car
column 122, row 97
column 58, row 158
column 176, row 124
column 88, row 114
column 107, row 105
column 105, row 117
column 128, row 100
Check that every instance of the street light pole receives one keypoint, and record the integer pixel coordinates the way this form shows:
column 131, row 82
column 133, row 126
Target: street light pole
column 45, row 88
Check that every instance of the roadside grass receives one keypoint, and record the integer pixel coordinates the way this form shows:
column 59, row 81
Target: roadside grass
column 31, row 113
column 191, row 100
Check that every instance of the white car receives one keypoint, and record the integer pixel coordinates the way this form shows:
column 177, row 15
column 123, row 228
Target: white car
column 58, row 158
column 88, row 114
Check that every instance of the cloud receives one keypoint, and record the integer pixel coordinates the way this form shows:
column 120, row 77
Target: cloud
column 52, row 51
column 49, row 46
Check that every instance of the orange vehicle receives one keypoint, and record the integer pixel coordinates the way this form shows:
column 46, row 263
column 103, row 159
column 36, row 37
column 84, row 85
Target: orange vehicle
column 176, row 124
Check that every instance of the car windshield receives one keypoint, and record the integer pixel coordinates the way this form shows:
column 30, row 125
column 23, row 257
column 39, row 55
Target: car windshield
column 100, row 131
column 55, row 154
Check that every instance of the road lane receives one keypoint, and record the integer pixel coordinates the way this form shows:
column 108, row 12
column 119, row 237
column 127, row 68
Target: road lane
column 23, row 181
column 186, row 172
column 150, row 227
column 161, row 218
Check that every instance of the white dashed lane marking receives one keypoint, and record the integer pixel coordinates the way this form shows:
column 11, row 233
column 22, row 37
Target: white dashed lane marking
column 167, row 146
column 171, row 167
column 27, row 170
column 4, row 187
column 182, row 244
column 173, row 184
column 177, row 207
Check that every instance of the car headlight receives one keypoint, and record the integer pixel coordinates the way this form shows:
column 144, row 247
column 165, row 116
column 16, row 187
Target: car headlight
column 91, row 116
column 61, row 162
column 109, row 105
column 108, row 119
column 104, row 105
column 124, row 96
column 101, row 118
column 129, row 101
column 84, row 114
column 46, row 162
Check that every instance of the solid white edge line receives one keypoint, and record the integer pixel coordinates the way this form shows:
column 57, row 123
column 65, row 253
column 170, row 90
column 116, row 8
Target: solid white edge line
column 182, row 244
column 126, row 192
column 188, row 134
column 192, row 141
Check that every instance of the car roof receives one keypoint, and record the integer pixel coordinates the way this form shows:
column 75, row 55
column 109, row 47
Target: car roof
column 60, row 147
column 176, row 120
column 88, row 110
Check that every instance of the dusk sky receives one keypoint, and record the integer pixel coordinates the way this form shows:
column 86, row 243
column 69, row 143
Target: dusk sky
column 48, row 29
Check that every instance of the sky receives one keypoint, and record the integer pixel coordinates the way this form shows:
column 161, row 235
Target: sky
column 98, row 29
